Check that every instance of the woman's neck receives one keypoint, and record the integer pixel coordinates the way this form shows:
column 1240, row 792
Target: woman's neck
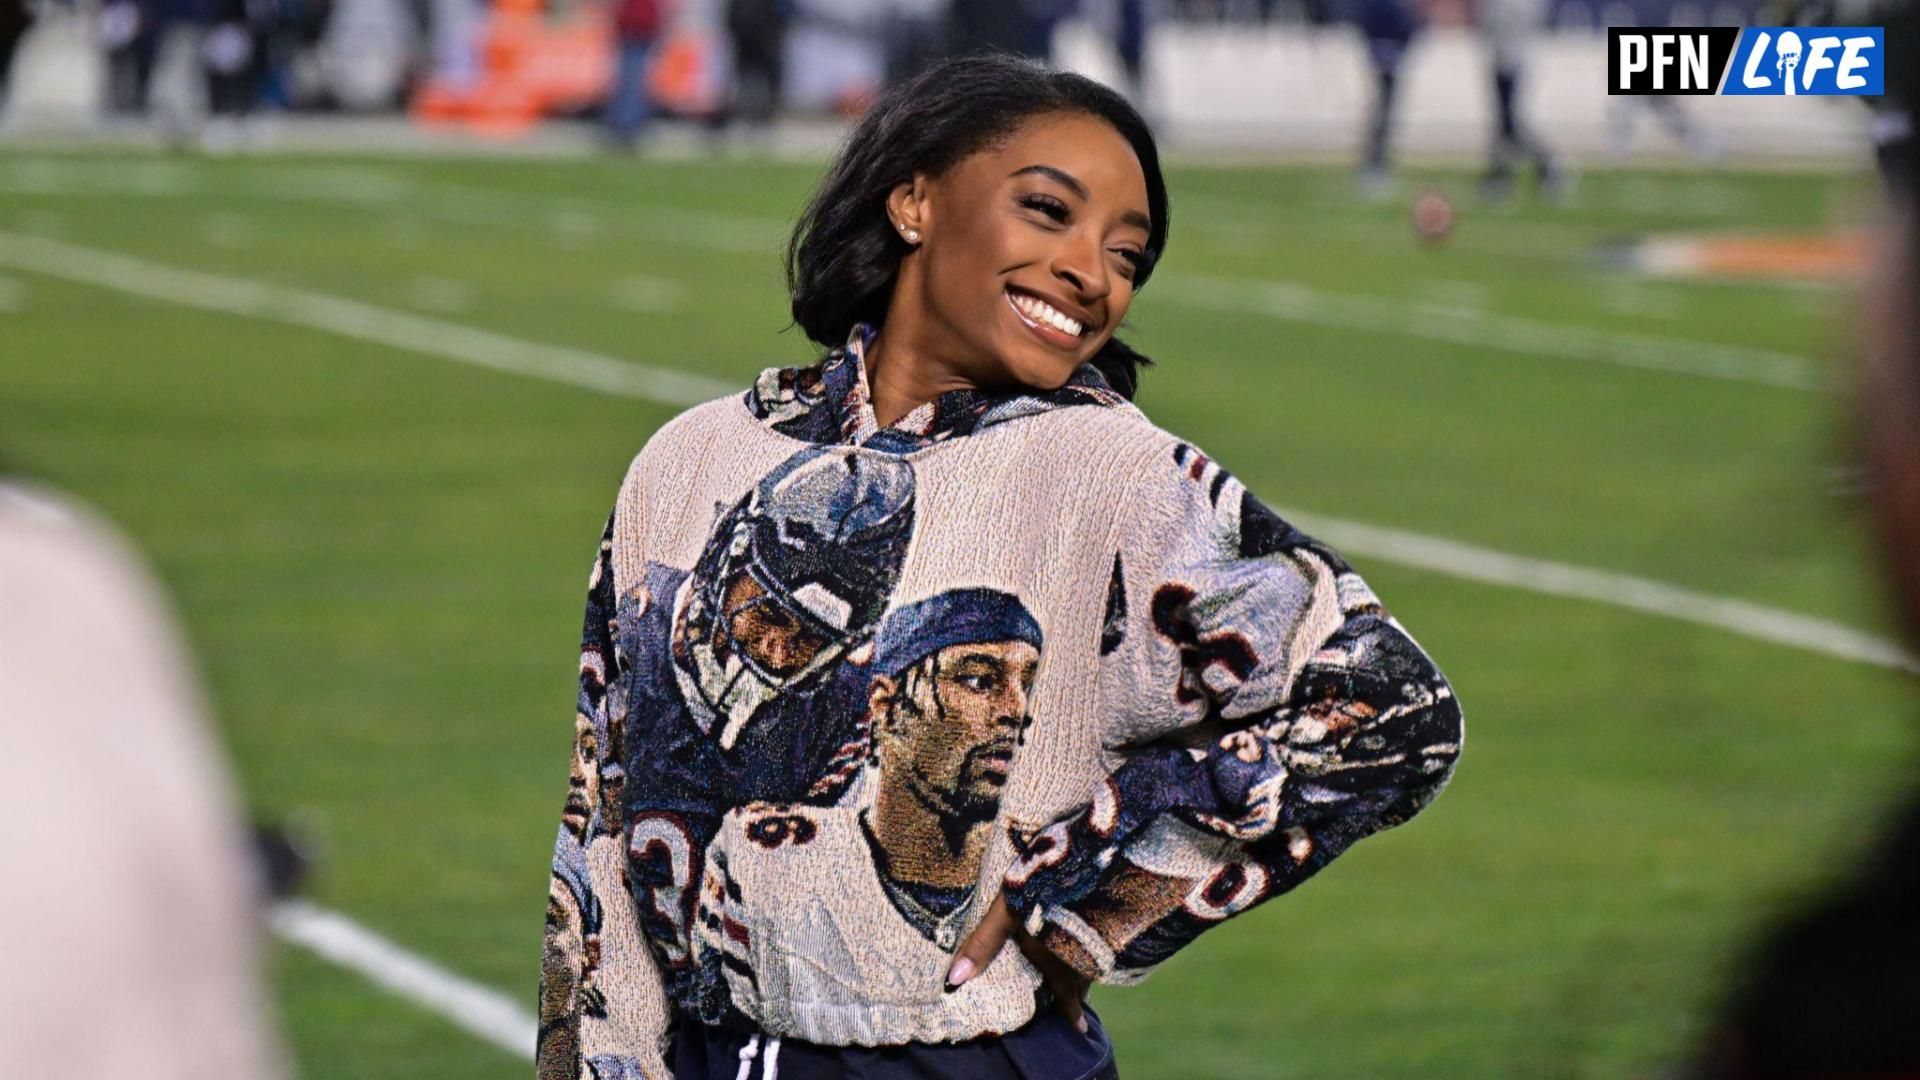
column 902, row 374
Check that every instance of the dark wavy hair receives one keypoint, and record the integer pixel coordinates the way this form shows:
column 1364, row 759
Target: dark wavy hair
column 844, row 256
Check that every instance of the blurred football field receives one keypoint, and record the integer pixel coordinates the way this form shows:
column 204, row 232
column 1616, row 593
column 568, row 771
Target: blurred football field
column 267, row 371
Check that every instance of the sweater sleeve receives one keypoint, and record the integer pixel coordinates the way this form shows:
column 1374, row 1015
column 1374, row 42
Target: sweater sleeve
column 1261, row 712
column 603, row 1007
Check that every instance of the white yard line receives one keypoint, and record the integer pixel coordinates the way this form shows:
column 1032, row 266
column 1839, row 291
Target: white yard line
column 1457, row 325
column 481, row 1011
column 494, row 1017
column 1466, row 561
column 571, row 223
column 421, row 334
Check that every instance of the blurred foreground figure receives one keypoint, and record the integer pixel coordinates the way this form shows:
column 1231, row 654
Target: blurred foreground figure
column 130, row 930
column 1835, row 992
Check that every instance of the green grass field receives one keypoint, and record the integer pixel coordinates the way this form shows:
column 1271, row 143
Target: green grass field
column 380, row 556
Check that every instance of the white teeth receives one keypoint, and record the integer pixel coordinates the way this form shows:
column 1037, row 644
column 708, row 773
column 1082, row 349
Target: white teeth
column 1041, row 311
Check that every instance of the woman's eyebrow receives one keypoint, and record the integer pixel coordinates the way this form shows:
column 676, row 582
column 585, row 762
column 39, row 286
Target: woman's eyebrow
column 1061, row 176
column 1066, row 180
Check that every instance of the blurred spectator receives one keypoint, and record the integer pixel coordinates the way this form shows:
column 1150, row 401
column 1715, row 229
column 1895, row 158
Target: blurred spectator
column 1623, row 110
column 1389, row 27
column 759, row 32
column 1509, row 27
column 916, row 33
column 130, row 33
column 1832, row 992
column 1130, row 41
column 1024, row 27
column 136, row 953
column 15, row 17
column 233, row 55
column 637, row 25
column 1891, row 128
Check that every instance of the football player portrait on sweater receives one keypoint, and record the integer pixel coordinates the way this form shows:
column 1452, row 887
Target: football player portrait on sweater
column 952, row 681
column 857, row 814
column 952, row 678
column 792, row 580
column 583, row 780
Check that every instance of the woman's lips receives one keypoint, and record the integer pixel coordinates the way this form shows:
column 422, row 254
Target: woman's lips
column 1052, row 335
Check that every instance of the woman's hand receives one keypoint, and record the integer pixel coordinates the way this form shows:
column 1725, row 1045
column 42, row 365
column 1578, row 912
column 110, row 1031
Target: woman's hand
column 984, row 944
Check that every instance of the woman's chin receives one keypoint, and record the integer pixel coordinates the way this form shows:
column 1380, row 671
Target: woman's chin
column 1040, row 369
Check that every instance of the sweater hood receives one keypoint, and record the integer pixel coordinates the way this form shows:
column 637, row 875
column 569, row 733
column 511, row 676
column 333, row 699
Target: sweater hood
column 829, row 402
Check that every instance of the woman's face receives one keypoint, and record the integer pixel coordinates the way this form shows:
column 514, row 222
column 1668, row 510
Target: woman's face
column 1028, row 251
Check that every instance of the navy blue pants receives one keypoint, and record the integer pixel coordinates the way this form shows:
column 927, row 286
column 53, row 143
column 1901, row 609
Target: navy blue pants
column 1047, row 1048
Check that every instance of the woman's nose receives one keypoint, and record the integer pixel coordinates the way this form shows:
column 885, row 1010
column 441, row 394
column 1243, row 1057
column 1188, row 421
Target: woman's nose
column 1083, row 270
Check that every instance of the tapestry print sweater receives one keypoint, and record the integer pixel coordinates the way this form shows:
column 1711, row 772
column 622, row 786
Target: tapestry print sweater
column 842, row 684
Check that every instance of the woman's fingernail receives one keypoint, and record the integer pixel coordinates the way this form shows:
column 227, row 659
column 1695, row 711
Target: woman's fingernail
column 1081, row 1023
column 960, row 972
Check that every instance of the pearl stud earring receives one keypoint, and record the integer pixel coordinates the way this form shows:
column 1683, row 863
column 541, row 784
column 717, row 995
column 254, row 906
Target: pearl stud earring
column 912, row 235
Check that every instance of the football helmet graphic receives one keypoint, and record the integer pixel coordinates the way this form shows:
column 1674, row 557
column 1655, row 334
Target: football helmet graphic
column 793, row 577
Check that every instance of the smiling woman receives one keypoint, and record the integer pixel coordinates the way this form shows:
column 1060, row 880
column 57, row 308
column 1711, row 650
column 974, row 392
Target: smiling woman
column 939, row 643
column 996, row 222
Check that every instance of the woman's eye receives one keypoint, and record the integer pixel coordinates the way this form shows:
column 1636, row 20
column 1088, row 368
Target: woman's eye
column 1047, row 205
column 1132, row 258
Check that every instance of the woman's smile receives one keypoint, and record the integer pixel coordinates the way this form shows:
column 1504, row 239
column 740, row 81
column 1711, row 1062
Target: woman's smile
column 1047, row 321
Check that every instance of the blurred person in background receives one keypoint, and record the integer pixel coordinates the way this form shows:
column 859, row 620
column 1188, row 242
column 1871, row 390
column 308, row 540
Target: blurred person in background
column 758, row 30
column 15, row 18
column 1389, row 27
column 131, row 941
column 796, row 577
column 1623, row 110
column 1834, row 992
column 1891, row 127
column 1131, row 24
column 233, row 56
column 1021, row 27
column 915, row 34
column 1509, row 27
column 637, row 27
column 131, row 32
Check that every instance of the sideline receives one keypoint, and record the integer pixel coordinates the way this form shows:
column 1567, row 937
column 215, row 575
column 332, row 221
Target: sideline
column 1487, row 566
column 479, row 1010
column 1458, row 325
column 420, row 334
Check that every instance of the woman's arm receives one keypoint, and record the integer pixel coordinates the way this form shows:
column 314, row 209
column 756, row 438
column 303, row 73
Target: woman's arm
column 1265, row 711
column 603, row 1007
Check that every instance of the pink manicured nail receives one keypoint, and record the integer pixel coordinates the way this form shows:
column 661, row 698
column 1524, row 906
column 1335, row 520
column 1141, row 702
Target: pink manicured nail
column 960, row 972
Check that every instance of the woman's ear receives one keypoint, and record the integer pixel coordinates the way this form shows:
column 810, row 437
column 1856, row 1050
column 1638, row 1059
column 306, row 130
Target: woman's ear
column 907, row 208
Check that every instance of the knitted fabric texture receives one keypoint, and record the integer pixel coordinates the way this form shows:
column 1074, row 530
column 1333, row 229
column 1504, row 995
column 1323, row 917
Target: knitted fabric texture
column 841, row 684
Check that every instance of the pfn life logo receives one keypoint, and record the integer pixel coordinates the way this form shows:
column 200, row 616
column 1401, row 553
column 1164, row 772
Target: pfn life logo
column 1788, row 61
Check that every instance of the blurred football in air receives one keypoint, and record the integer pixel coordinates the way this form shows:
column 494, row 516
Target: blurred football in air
column 1432, row 217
